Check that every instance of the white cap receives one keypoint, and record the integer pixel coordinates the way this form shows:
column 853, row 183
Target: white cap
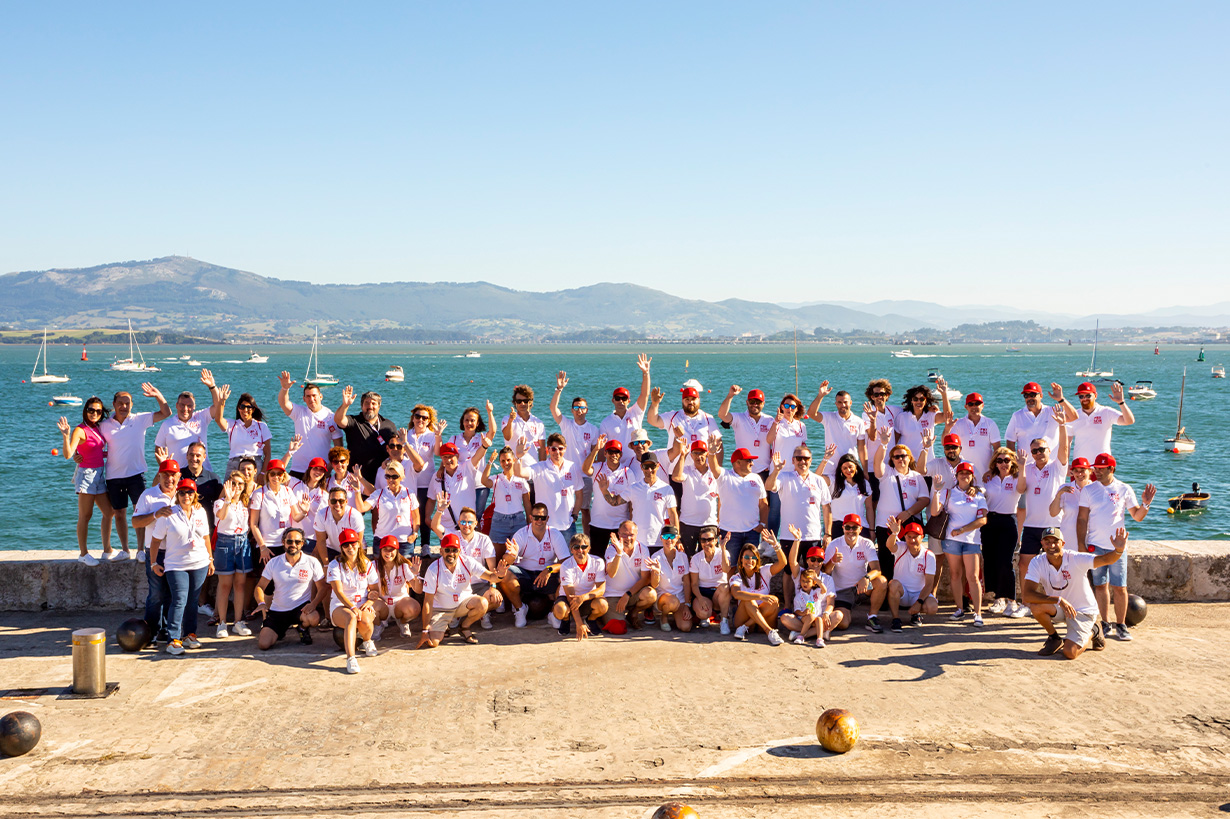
column 692, row 382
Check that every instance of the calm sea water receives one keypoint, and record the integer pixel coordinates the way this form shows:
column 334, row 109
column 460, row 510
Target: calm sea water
column 40, row 510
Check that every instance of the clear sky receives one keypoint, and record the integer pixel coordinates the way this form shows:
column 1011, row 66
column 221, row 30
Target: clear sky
column 964, row 152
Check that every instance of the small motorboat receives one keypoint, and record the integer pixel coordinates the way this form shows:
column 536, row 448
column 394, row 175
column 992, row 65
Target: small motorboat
column 1012, row 349
column 1193, row 501
column 474, row 354
column 66, row 400
column 934, row 375
column 901, row 354
column 1219, row 371
column 953, row 395
column 1142, row 390
column 395, row 373
column 256, row 359
column 192, row 362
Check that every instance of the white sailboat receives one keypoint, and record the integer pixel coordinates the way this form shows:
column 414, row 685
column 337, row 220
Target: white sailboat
column 313, row 374
column 1181, row 442
column 1093, row 371
column 130, row 364
column 45, row 378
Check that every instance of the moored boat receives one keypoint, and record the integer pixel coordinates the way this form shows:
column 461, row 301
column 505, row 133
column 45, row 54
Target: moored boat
column 395, row 373
column 1181, row 442
column 1142, row 390
column 1193, row 501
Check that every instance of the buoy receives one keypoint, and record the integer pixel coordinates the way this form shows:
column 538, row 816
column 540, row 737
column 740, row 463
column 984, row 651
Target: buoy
column 51, row 403
column 55, row 451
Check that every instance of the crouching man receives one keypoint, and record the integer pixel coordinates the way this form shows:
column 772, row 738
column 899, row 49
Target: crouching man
column 1056, row 589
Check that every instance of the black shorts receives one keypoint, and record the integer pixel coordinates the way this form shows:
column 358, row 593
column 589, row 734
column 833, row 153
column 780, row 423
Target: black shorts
column 599, row 539
column 587, row 607
column 705, row 593
column 122, row 490
column 282, row 621
column 525, row 580
column 1031, row 540
column 848, row 598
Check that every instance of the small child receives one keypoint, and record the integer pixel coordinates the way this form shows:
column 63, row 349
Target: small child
column 813, row 609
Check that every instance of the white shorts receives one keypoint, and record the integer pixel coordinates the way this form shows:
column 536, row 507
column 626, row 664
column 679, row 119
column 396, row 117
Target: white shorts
column 909, row 597
column 1079, row 628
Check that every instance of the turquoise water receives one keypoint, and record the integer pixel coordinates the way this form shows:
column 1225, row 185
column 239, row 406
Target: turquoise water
column 438, row 375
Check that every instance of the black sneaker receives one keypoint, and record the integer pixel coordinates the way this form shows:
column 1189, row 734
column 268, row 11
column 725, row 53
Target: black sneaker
column 916, row 620
column 1052, row 645
column 873, row 625
column 1099, row 639
column 565, row 626
column 1106, row 629
column 896, row 626
column 305, row 636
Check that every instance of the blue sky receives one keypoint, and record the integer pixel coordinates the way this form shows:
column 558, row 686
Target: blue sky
column 968, row 153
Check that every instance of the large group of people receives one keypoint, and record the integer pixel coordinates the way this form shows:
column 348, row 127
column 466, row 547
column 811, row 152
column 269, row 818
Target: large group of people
column 591, row 527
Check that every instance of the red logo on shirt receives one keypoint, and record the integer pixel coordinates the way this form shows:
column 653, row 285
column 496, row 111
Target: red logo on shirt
column 1097, row 421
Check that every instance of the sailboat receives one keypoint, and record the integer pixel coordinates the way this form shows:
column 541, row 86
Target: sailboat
column 1093, row 371
column 313, row 374
column 1181, row 442
column 130, row 364
column 44, row 378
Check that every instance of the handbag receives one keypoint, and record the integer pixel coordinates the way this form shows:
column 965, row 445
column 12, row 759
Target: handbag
column 937, row 524
column 901, row 501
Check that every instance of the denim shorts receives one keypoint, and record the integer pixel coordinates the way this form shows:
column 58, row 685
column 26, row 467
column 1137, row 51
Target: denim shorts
column 960, row 547
column 1115, row 574
column 231, row 554
column 90, row 481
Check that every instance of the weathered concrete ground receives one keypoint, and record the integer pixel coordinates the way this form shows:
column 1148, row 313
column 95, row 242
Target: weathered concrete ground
column 955, row 721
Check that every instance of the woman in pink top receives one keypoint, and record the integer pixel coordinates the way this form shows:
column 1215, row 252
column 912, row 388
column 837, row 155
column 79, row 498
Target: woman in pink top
column 90, row 477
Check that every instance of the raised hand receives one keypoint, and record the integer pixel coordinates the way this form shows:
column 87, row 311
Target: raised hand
column 161, row 453
column 941, row 383
column 485, row 441
column 207, row 378
column 439, row 427
column 561, row 381
column 296, row 441
column 284, row 380
column 642, row 363
column 1116, row 392
column 522, row 446
column 885, row 433
column 600, row 444
column 1057, row 391
column 347, row 395
column 225, row 392
column 735, row 389
column 824, row 390
column 416, row 563
column 1119, row 539
column 62, row 425
column 928, row 439
column 679, row 433
column 442, row 499
column 655, row 395
column 829, row 451
column 1058, row 414
column 1146, row 497
column 894, row 525
column 870, row 409
column 602, row 480
column 778, row 462
column 794, row 532
column 404, row 435
column 490, row 407
column 937, row 481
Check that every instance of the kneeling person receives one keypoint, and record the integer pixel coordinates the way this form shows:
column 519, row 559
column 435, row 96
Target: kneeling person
column 630, row 591
column 298, row 588
column 1056, row 588
column 448, row 597
column 913, row 583
column 582, row 582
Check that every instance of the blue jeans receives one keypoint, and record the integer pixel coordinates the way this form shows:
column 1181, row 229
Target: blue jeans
column 185, row 586
column 156, row 598
column 960, row 547
column 1115, row 574
column 737, row 539
column 504, row 526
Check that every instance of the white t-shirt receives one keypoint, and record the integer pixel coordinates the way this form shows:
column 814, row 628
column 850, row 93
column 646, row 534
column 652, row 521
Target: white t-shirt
column 177, row 435
column 478, row 548
column 1091, row 432
column 650, row 508
column 292, row 585
column 185, row 539
column 803, row 500
column 844, row 433
column 318, row 431
column 628, row 572
column 395, row 512
column 1069, row 582
column 758, row 583
column 912, row 570
column 1002, row 497
column 247, row 440
column 1108, row 507
column 534, row 554
column 236, row 520
column 854, row 560
column 272, row 511
column 978, row 441
column 331, row 528
column 893, row 501
column 462, row 489
column 740, row 498
column 621, row 429
column 962, row 511
column 355, row 582
column 698, row 427
column 851, row 501
column 673, row 572
column 1024, row 426
column 534, row 433
column 582, row 579
column 580, row 439
column 602, row 514
column 126, row 444
column 557, row 487
column 449, row 588
column 817, row 596
column 508, row 493
column 1042, row 484
column 752, row 434
column 424, row 444
column 708, row 570
column 700, row 497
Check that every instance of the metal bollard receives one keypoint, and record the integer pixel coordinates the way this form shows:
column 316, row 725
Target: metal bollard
column 90, row 662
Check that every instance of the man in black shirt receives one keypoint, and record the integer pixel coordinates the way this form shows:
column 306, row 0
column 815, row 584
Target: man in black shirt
column 367, row 431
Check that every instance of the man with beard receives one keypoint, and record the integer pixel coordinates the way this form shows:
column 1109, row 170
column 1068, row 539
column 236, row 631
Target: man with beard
column 298, row 589
column 367, row 431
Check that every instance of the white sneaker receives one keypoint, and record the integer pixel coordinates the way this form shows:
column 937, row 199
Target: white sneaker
column 1000, row 606
column 741, row 633
column 377, row 631
column 724, row 626
column 405, row 629
column 959, row 614
column 205, row 609
column 140, row 555
column 500, row 608
column 120, row 555
column 112, row 555
column 241, row 628
column 521, row 615
column 978, row 620
column 486, row 621
column 552, row 619
column 819, row 642
column 664, row 622
column 1019, row 610
column 794, row 636
column 352, row 665
column 88, row 560
column 775, row 639
column 369, row 648
column 222, row 633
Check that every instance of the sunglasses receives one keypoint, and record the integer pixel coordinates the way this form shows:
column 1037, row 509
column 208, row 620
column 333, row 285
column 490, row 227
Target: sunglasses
column 467, row 523
column 749, row 556
column 1031, row 394
column 389, row 476
column 952, row 446
column 668, row 537
column 708, row 540
column 1003, row 460
column 297, row 542
column 245, row 407
column 337, row 501
column 579, row 407
column 184, row 492
column 802, row 457
column 789, row 406
column 643, row 442
column 852, row 528
column 521, row 401
column 394, row 446
column 350, row 544
column 540, row 517
column 901, row 456
column 815, row 560
column 1039, row 449
column 621, row 399
column 557, row 448
column 578, row 548
column 918, row 399
column 421, row 417
column 97, row 410
column 879, row 395
column 338, row 461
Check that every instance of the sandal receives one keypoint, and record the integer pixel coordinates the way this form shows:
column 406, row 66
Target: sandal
column 468, row 636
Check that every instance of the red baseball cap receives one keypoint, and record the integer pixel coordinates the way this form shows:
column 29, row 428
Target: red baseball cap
column 1032, row 386
column 168, row 466
column 690, row 392
column 621, row 392
column 699, row 446
column 614, row 446
column 1105, row 459
column 389, row 542
column 973, row 398
column 965, row 466
column 449, row 449
column 952, row 438
column 615, row 626
column 912, row 529
column 450, row 541
column 1086, row 388
column 741, row 454
column 317, row 463
column 1079, row 463
column 756, row 395
column 815, row 551
column 186, row 483
column 852, row 518
column 275, row 466
column 349, row 536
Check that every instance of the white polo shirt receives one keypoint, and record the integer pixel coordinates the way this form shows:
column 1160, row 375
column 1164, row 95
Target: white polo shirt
column 699, row 506
column 272, row 511
column 1091, row 432
column 582, row 579
column 177, row 435
column 1024, row 427
column 579, row 439
column 1041, row 486
column 910, row 431
column 1002, row 497
column 977, row 441
column 462, row 489
column 126, row 444
column 650, row 506
column 673, row 572
column 534, row 554
column 508, row 493
column 912, row 570
column 887, row 418
column 325, row 523
column 247, row 440
column 854, row 560
column 355, row 582
column 752, row 434
column 1108, row 508
column 1069, row 582
column 448, row 589
column 803, row 500
column 318, row 430
column 557, row 487
column 621, row 429
column 740, row 499
column 962, row 511
column 185, row 539
column 395, row 514
column 844, row 433
column 628, row 573
column 534, row 433
column 698, row 427
column 897, row 493
column 602, row 514
column 708, row 570
column 292, row 585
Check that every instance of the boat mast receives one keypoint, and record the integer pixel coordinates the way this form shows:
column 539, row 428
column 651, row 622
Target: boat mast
column 796, row 360
column 1092, row 360
column 1182, row 389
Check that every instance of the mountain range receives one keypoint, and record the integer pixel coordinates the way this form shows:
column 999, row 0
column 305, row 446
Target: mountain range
column 186, row 294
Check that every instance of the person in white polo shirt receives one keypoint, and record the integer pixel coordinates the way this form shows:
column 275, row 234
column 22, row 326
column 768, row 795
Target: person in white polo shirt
column 697, row 425
column 751, row 428
column 179, row 552
column 805, row 504
column 1104, row 507
column 627, row 416
column 629, row 589
column 878, row 415
column 842, row 428
column 1057, row 589
column 979, row 434
column 652, row 501
column 853, row 563
column 744, row 508
column 1092, row 424
column 522, row 425
column 537, row 552
column 914, row 572
column 698, row 498
column 670, row 571
column 313, row 423
column 1031, row 421
column 455, row 483
column 449, row 600
column 904, row 494
column 710, row 570
column 582, row 589
column 557, row 483
column 298, row 590
column 1043, row 476
column 154, row 503
column 604, row 519
column 124, row 433
column 581, row 437
column 966, row 505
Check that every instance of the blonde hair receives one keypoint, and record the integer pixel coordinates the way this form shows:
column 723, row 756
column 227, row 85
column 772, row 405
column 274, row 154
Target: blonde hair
column 431, row 412
column 249, row 487
column 1013, row 469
